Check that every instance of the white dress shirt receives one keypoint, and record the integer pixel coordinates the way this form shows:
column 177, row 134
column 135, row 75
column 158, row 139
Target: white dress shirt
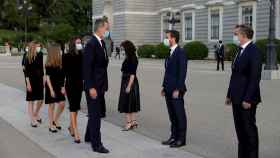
column 99, row 39
column 172, row 49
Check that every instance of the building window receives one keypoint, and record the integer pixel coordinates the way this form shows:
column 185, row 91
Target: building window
column 215, row 24
column 188, row 26
column 247, row 14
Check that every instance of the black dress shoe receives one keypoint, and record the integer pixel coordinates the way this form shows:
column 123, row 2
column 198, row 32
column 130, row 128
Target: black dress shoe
column 177, row 144
column 168, row 142
column 101, row 149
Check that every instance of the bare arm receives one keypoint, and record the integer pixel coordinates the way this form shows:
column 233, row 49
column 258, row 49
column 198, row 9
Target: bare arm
column 50, row 85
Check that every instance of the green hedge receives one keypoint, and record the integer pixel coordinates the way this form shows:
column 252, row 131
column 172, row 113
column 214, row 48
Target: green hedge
column 146, row 51
column 230, row 51
column 161, row 51
column 196, row 50
column 262, row 46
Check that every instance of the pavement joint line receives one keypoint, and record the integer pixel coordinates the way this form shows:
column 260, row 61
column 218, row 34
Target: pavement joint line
column 61, row 145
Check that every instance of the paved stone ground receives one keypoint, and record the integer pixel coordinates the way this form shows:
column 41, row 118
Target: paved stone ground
column 211, row 131
column 61, row 145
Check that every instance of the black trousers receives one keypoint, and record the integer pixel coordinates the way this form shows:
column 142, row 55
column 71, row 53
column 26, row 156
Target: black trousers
column 220, row 60
column 177, row 116
column 93, row 133
column 247, row 131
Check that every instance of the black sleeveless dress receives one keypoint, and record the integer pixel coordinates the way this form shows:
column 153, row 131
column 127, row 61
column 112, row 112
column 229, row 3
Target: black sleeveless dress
column 129, row 102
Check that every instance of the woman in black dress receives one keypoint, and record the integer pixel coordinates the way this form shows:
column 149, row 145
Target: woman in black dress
column 129, row 101
column 34, row 78
column 55, row 91
column 72, row 65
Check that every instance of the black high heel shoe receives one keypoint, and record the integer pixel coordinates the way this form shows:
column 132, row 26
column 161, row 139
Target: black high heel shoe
column 77, row 141
column 57, row 127
column 52, row 130
column 34, row 125
column 128, row 127
column 39, row 121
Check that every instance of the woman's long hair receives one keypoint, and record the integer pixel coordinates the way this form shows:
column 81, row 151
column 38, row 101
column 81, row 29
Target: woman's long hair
column 130, row 51
column 54, row 58
column 72, row 46
column 31, row 54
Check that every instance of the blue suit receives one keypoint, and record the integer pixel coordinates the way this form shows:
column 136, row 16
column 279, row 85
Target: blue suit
column 245, row 86
column 174, row 79
column 95, row 64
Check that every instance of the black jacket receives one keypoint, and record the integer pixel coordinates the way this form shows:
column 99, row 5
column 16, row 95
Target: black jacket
column 95, row 64
column 175, row 71
column 246, row 75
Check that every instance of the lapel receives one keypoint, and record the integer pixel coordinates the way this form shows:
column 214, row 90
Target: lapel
column 101, row 46
column 241, row 57
column 170, row 57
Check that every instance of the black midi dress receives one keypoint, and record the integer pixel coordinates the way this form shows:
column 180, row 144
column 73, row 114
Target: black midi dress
column 129, row 102
column 57, row 77
column 72, row 66
column 35, row 72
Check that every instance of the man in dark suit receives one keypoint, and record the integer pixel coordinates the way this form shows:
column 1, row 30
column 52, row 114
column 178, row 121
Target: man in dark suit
column 95, row 63
column 174, row 89
column 244, row 92
column 220, row 55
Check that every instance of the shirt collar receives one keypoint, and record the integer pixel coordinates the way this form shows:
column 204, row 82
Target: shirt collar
column 173, row 48
column 246, row 44
column 98, row 38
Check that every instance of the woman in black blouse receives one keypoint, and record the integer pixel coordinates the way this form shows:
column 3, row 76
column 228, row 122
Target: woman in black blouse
column 72, row 65
column 34, row 77
column 129, row 101
column 55, row 90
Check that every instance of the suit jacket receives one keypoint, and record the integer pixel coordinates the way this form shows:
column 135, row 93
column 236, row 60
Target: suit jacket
column 175, row 71
column 95, row 64
column 220, row 52
column 246, row 75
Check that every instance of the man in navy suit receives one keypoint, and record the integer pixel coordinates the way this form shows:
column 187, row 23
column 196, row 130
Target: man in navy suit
column 220, row 55
column 244, row 92
column 95, row 64
column 174, row 89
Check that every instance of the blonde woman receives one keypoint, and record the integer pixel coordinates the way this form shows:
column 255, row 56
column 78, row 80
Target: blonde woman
column 55, row 91
column 34, row 77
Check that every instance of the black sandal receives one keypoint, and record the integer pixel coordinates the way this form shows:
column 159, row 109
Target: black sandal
column 57, row 127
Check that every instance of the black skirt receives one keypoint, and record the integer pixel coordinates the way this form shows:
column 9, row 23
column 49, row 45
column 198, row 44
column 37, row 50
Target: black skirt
column 37, row 92
column 129, row 102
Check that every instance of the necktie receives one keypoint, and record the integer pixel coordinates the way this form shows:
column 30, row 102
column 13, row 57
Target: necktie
column 104, row 47
column 237, row 56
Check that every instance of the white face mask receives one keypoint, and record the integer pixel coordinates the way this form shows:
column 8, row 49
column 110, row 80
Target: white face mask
column 38, row 49
column 236, row 40
column 106, row 34
column 79, row 46
column 166, row 42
